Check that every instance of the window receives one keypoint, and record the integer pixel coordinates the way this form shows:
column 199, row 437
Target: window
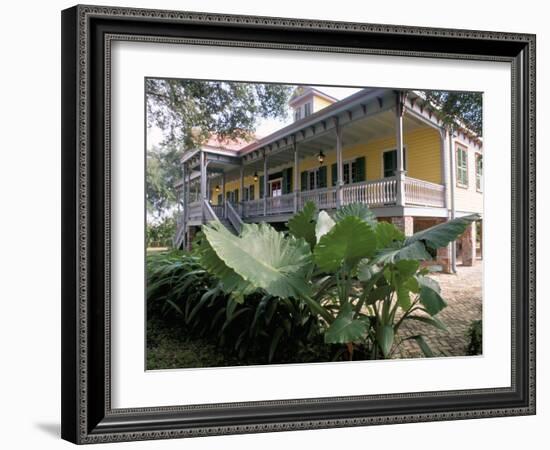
column 314, row 179
column 390, row 162
column 479, row 171
column 461, row 166
column 307, row 109
column 350, row 172
column 298, row 113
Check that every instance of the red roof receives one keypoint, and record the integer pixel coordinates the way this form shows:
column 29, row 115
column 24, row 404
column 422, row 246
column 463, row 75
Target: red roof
column 230, row 144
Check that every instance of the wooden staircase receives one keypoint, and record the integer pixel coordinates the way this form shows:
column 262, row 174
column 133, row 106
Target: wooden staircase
column 228, row 217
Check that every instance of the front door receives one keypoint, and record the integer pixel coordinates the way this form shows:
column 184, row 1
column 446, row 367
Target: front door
column 276, row 188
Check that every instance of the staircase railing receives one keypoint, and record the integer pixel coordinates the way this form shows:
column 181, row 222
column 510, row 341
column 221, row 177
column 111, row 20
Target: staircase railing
column 233, row 217
column 209, row 213
column 180, row 232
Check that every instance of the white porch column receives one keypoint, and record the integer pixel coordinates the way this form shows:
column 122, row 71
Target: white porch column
column 187, row 193
column 400, row 172
column 339, row 166
column 452, row 181
column 296, row 181
column 241, row 189
column 223, row 194
column 203, row 191
column 184, row 193
column 265, row 184
column 444, row 166
column 184, row 205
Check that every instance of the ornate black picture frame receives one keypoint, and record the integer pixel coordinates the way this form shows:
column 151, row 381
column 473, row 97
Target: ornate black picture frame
column 87, row 34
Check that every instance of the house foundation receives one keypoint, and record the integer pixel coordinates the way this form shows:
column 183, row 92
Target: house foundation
column 405, row 224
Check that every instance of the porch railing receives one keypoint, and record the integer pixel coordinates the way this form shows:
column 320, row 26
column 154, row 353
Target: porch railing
column 375, row 193
column 219, row 210
column 195, row 211
column 324, row 198
column 210, row 212
column 424, row 193
column 280, row 204
column 253, row 208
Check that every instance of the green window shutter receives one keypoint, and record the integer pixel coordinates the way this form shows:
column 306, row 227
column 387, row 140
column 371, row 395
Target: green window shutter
column 288, row 181
column 334, row 172
column 390, row 163
column 251, row 192
column 361, row 169
column 220, row 199
column 322, row 180
column 261, row 186
column 283, row 183
column 303, row 181
column 236, row 196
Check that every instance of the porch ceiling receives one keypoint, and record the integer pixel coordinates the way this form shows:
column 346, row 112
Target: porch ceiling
column 370, row 128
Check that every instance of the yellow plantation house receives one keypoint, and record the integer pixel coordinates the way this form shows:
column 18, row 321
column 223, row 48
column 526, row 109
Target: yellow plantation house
column 386, row 148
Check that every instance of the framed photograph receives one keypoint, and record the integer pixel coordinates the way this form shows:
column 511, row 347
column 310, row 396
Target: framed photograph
column 279, row 224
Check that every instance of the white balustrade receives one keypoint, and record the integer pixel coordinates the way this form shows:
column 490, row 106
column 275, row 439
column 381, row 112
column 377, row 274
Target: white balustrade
column 281, row 204
column 373, row 193
column 252, row 208
column 324, row 198
column 424, row 193
column 376, row 193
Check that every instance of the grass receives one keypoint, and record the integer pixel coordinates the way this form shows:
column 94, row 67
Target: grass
column 170, row 348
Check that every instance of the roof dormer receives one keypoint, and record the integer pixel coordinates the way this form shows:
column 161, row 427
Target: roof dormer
column 306, row 100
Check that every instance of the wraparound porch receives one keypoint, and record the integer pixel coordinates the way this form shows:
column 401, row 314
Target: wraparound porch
column 376, row 194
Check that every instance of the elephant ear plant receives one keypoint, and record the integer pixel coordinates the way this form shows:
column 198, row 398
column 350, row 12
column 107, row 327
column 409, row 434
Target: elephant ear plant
column 363, row 278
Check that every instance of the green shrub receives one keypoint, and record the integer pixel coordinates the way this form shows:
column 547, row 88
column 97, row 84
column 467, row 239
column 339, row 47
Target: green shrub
column 361, row 278
column 475, row 336
column 181, row 293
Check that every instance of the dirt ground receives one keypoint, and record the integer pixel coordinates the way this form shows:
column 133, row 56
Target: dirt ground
column 463, row 293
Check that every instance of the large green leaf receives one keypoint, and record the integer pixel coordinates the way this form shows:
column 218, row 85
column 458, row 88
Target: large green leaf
column 423, row 346
column 387, row 234
column 345, row 328
column 416, row 250
column 406, row 267
column 230, row 281
column 428, row 282
column 385, row 335
column 433, row 321
column 366, row 270
column 359, row 210
column 403, row 297
column 302, row 224
column 324, row 224
column 349, row 241
column 444, row 233
column 264, row 258
column 431, row 300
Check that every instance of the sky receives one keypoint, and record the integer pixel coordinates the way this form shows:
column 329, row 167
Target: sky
column 265, row 126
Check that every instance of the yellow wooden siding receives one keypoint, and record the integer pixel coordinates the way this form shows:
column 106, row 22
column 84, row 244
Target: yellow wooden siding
column 423, row 148
column 423, row 156
column 320, row 103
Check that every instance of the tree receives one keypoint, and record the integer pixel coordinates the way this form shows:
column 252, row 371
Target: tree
column 163, row 171
column 463, row 106
column 190, row 111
